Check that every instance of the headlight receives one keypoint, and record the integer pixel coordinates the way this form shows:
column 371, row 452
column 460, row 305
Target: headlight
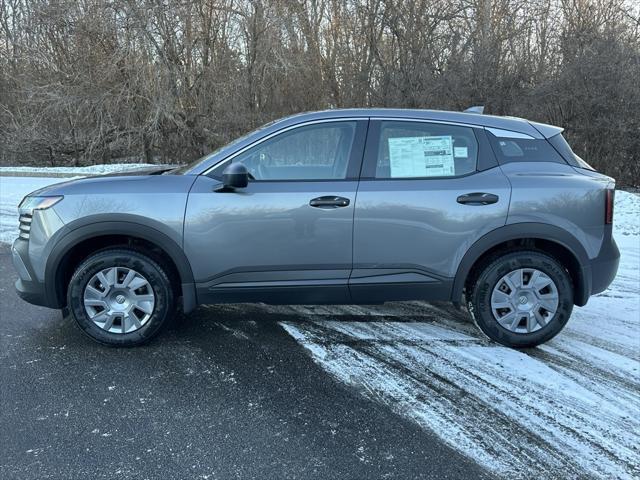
column 29, row 204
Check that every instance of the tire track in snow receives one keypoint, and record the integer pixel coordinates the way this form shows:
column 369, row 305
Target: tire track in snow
column 534, row 419
column 454, row 403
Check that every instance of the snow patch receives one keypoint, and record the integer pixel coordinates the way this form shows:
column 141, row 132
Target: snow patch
column 626, row 216
column 81, row 171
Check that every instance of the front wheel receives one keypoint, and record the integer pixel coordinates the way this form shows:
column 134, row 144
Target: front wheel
column 120, row 297
column 522, row 299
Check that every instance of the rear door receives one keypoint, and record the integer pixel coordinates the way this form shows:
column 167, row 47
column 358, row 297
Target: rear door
column 288, row 236
column 428, row 191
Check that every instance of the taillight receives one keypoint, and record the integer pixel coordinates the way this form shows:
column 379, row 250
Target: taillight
column 608, row 207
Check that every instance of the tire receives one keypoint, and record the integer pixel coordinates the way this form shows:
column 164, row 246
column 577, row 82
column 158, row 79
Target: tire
column 118, row 308
column 531, row 324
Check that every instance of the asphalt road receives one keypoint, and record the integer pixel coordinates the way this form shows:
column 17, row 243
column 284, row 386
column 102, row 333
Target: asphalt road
column 222, row 393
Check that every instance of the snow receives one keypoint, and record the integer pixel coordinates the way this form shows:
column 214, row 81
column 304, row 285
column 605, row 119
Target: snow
column 80, row 171
column 569, row 408
column 626, row 215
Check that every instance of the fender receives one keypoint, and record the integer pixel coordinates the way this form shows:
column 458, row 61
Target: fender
column 119, row 224
column 533, row 230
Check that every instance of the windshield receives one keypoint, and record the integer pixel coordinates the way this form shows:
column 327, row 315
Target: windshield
column 189, row 166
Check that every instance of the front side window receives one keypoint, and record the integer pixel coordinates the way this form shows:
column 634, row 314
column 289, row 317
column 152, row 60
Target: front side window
column 425, row 150
column 312, row 152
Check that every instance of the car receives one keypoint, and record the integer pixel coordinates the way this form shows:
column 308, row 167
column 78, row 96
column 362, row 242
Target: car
column 353, row 206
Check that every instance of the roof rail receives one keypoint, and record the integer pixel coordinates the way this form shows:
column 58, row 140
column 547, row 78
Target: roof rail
column 476, row 109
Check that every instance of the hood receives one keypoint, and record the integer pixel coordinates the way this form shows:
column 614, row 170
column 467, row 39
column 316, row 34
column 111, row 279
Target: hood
column 157, row 170
column 108, row 181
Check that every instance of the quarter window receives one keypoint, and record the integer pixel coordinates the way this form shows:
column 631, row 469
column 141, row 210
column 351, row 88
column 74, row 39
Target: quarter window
column 510, row 149
column 312, row 152
column 425, row 150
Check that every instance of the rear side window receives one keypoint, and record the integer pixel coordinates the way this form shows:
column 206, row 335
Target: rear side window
column 510, row 149
column 425, row 150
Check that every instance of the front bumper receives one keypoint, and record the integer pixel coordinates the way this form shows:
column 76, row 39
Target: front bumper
column 30, row 253
column 32, row 292
column 27, row 286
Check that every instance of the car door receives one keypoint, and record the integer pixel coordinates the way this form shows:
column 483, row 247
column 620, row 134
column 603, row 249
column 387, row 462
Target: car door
column 428, row 191
column 287, row 237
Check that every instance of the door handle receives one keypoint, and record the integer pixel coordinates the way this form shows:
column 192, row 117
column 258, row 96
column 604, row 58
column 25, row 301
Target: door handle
column 329, row 201
column 478, row 198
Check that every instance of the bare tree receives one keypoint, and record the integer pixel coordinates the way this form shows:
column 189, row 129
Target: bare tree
column 92, row 81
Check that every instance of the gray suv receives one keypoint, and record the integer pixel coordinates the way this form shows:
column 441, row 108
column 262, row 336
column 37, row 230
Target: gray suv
column 333, row 207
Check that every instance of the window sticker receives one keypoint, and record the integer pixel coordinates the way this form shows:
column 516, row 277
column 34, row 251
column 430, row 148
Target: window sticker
column 460, row 152
column 421, row 156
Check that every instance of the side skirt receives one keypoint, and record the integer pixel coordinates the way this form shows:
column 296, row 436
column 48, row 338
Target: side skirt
column 327, row 294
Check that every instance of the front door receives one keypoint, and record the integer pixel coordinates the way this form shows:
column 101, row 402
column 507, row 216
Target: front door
column 428, row 192
column 287, row 237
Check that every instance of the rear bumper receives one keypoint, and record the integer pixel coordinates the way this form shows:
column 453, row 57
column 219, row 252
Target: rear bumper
column 604, row 267
column 597, row 275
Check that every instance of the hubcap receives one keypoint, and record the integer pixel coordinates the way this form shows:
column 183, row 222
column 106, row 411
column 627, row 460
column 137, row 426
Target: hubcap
column 119, row 300
column 524, row 300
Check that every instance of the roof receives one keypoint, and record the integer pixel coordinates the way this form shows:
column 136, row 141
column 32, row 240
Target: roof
column 536, row 130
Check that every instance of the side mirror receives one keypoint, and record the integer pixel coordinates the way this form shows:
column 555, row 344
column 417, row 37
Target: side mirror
column 234, row 176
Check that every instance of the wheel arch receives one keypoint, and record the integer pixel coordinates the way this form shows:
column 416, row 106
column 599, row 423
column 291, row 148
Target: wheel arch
column 105, row 233
column 543, row 237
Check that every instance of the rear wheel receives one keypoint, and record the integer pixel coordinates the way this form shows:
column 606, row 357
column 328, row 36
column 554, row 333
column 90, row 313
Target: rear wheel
column 120, row 297
column 522, row 299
